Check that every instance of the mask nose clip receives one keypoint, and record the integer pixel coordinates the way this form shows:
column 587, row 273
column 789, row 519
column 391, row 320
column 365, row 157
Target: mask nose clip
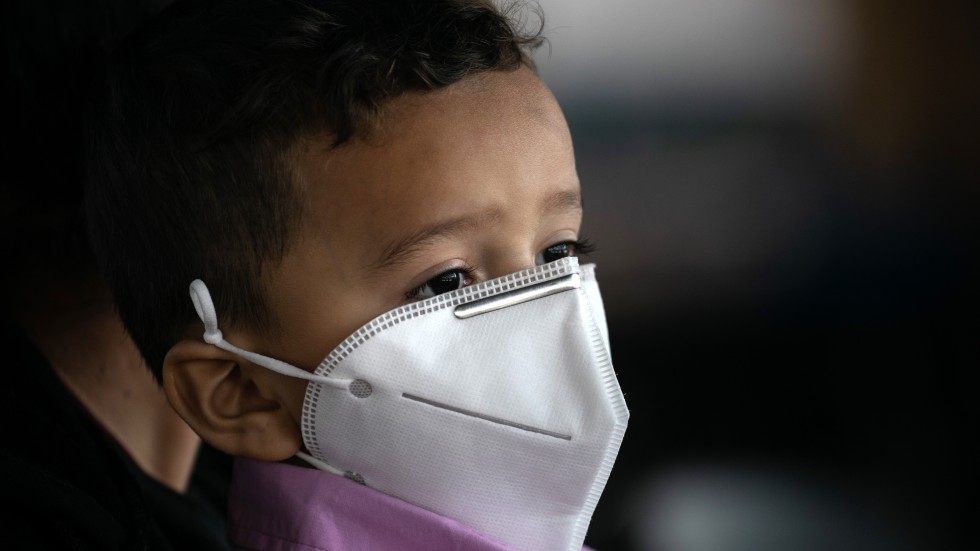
column 518, row 296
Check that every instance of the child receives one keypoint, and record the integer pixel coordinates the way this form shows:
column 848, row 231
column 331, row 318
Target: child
column 371, row 212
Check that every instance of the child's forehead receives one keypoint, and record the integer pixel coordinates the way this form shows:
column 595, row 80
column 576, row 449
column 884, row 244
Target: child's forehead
column 480, row 98
column 496, row 114
column 461, row 148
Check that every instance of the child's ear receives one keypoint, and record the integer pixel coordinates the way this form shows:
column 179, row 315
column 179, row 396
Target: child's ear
column 218, row 395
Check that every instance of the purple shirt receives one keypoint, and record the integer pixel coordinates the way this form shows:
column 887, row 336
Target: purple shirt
column 282, row 507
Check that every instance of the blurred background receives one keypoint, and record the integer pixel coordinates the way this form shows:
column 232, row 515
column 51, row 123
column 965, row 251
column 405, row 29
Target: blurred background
column 783, row 195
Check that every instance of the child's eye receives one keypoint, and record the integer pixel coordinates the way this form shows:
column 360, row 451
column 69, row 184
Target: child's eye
column 442, row 283
column 563, row 249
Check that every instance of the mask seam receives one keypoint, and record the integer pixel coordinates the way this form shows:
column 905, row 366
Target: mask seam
column 610, row 385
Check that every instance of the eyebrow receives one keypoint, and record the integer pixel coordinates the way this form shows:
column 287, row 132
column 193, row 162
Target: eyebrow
column 402, row 249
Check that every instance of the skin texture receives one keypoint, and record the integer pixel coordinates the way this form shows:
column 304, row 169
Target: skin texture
column 75, row 327
column 479, row 175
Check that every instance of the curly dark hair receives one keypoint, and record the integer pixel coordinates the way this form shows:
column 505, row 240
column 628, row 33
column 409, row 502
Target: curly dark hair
column 190, row 172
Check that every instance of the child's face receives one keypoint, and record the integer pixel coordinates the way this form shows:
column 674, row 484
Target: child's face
column 469, row 183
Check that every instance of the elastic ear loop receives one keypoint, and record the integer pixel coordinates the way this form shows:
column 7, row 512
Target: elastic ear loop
column 212, row 335
column 204, row 307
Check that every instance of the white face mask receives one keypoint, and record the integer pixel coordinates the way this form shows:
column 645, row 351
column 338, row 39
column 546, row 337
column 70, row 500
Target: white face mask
column 495, row 404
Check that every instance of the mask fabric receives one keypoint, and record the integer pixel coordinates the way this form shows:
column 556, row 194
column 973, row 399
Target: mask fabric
column 495, row 404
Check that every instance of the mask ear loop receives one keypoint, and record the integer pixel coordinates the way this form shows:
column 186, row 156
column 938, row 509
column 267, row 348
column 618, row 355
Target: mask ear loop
column 204, row 307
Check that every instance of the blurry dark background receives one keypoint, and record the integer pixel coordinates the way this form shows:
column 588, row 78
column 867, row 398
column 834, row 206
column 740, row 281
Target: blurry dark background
column 783, row 195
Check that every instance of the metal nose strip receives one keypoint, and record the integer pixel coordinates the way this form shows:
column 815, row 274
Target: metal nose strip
column 489, row 418
column 517, row 296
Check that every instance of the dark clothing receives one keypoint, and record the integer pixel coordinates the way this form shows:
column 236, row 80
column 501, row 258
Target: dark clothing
column 68, row 485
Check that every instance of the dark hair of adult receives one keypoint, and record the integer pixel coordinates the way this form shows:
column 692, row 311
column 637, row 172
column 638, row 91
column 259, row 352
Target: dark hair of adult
column 190, row 171
column 54, row 52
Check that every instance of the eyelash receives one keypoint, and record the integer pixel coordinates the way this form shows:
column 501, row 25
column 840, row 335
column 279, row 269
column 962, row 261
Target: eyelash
column 581, row 246
column 414, row 293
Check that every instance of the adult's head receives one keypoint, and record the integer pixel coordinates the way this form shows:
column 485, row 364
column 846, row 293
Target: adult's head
column 55, row 53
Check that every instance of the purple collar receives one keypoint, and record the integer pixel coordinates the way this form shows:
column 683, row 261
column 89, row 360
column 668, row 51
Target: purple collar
column 282, row 507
